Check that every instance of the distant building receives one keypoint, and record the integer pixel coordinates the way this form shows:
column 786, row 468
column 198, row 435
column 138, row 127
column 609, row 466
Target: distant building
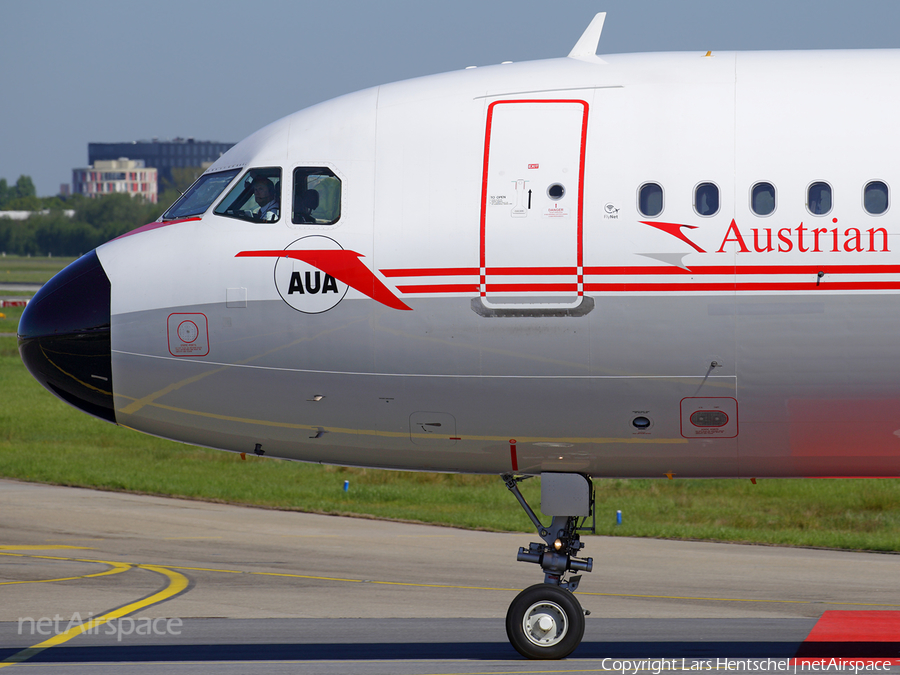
column 25, row 215
column 126, row 175
column 162, row 155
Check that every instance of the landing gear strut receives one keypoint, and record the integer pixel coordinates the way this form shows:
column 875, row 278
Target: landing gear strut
column 546, row 621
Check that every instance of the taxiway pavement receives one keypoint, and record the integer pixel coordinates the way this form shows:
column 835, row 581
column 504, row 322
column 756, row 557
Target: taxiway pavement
column 194, row 587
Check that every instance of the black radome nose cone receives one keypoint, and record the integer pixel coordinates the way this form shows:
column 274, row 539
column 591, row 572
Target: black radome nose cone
column 64, row 337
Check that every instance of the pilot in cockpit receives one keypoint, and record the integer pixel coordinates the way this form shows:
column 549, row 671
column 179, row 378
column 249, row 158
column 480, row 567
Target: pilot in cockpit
column 264, row 192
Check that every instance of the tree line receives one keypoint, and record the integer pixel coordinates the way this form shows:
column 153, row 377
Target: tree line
column 96, row 220
column 18, row 197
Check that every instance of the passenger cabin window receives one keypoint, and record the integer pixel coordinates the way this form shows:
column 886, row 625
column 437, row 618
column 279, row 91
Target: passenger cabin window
column 706, row 199
column 650, row 199
column 317, row 196
column 256, row 198
column 200, row 195
column 762, row 199
column 875, row 197
column 818, row 198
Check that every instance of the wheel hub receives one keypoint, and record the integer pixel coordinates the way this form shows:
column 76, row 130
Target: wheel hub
column 545, row 623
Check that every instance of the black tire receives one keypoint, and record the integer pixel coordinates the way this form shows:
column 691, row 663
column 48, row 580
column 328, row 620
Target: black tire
column 564, row 624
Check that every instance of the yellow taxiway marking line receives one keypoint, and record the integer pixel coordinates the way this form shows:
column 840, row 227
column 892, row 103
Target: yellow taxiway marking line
column 349, row 581
column 115, row 568
column 206, row 569
column 177, row 584
column 515, row 590
column 83, row 576
column 43, row 547
column 454, row 586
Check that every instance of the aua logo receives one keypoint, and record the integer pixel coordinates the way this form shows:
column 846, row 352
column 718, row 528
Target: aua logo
column 313, row 274
column 302, row 284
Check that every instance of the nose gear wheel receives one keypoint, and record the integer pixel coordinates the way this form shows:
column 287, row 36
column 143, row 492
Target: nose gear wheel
column 545, row 622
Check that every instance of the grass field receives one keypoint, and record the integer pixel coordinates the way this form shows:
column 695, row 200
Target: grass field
column 8, row 322
column 44, row 440
column 19, row 270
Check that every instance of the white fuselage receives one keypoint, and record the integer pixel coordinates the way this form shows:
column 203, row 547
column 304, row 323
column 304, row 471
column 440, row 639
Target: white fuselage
column 523, row 278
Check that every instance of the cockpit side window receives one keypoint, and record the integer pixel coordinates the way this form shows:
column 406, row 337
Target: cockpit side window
column 257, row 197
column 200, row 195
column 317, row 196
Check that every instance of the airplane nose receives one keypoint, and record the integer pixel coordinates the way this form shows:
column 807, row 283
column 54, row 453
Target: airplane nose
column 64, row 337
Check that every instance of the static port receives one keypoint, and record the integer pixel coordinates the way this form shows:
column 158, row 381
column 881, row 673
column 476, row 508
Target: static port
column 641, row 422
column 709, row 418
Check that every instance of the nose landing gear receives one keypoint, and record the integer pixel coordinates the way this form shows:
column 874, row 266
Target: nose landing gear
column 546, row 621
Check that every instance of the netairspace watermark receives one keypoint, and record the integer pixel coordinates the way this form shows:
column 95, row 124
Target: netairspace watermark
column 793, row 666
column 122, row 627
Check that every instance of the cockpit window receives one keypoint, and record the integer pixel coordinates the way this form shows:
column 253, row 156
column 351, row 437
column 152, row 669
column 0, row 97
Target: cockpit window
column 257, row 197
column 200, row 195
column 317, row 196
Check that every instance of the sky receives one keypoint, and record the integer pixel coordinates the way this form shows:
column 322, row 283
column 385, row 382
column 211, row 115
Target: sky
column 115, row 70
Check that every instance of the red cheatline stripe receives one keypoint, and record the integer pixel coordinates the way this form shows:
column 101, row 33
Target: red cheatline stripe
column 531, row 271
column 830, row 270
column 523, row 288
column 631, row 287
column 492, row 288
column 155, row 226
column 434, row 272
column 812, row 269
column 440, row 288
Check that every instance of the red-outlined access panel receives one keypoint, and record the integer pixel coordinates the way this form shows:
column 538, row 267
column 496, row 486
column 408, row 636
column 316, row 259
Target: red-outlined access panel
column 709, row 417
column 188, row 334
